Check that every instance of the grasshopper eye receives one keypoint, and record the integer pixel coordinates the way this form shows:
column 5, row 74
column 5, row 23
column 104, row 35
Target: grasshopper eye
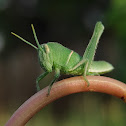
column 45, row 48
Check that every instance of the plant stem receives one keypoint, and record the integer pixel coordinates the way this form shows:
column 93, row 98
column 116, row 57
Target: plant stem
column 62, row 88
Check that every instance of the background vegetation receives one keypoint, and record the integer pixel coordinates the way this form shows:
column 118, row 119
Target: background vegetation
column 70, row 23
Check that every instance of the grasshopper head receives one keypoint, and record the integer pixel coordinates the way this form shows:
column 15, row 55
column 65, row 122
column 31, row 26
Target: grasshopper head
column 44, row 54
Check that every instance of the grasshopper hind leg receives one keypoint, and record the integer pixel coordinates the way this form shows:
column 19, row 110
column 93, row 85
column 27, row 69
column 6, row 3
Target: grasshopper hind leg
column 85, row 69
column 85, row 78
column 85, row 72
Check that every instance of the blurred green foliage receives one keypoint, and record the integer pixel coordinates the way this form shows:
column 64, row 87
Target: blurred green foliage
column 71, row 23
column 117, row 21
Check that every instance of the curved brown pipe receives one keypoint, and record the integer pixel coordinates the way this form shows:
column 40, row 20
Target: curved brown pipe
column 62, row 88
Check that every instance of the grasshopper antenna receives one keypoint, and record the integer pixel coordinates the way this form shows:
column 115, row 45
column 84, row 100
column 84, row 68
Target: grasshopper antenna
column 24, row 40
column 36, row 39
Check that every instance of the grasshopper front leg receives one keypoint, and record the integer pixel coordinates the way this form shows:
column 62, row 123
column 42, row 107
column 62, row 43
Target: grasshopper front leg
column 57, row 74
column 40, row 78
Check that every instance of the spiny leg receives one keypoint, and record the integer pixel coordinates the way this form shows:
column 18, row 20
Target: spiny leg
column 85, row 62
column 57, row 74
column 92, row 46
column 39, row 78
column 90, row 50
column 85, row 72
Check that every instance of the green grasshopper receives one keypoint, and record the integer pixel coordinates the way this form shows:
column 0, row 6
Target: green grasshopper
column 54, row 56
